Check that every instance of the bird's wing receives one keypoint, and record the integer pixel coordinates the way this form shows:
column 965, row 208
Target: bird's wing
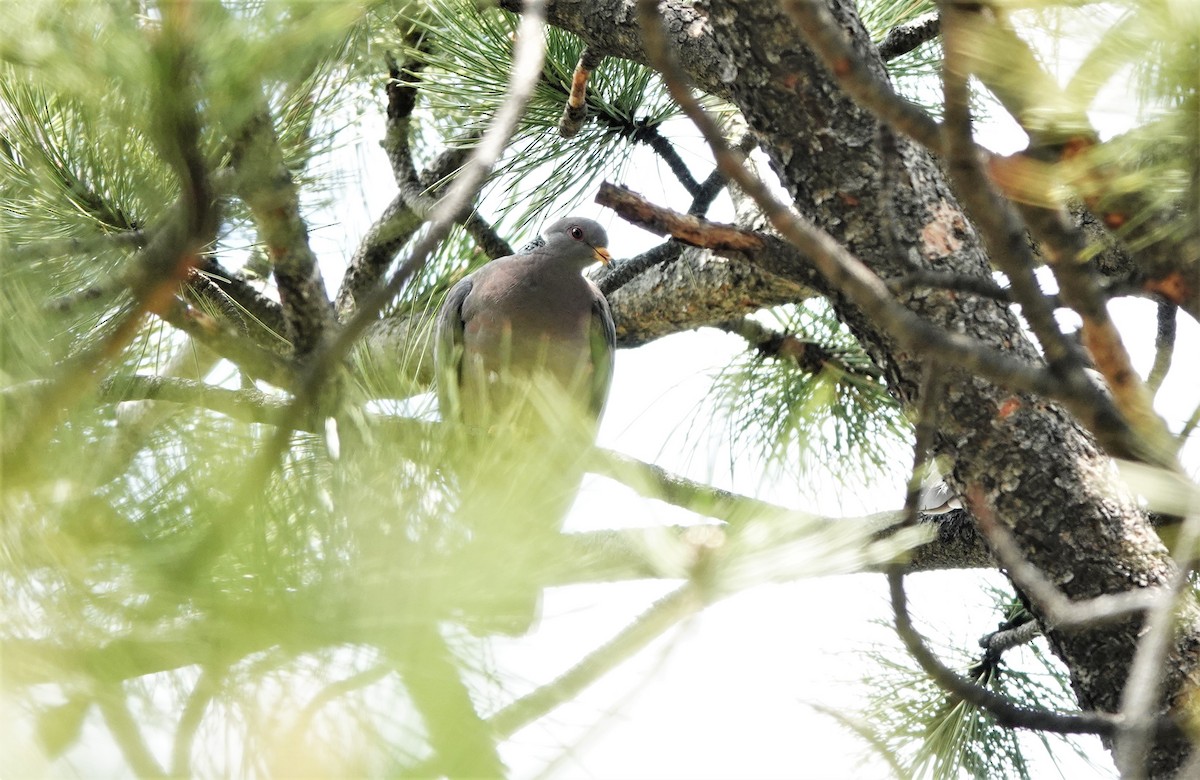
column 448, row 351
column 602, row 337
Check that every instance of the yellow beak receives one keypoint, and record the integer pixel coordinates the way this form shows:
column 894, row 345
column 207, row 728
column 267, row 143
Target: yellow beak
column 601, row 254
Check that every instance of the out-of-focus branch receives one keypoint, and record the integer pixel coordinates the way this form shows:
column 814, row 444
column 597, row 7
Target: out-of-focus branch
column 1002, row 231
column 1005, row 236
column 1061, row 132
column 159, row 269
column 126, row 732
column 1141, row 702
column 203, row 692
column 1079, row 287
column 462, row 743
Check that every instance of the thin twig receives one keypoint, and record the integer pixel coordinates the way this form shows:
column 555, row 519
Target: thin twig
column 662, row 146
column 626, row 271
column 1164, row 345
column 948, row 280
column 575, row 110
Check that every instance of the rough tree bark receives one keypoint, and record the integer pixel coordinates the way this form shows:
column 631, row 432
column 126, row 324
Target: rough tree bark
column 1042, row 475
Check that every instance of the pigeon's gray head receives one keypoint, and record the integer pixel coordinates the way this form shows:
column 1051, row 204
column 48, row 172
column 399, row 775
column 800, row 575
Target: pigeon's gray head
column 577, row 239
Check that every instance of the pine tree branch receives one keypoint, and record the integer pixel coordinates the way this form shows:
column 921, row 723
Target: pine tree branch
column 616, row 277
column 1005, row 712
column 649, row 135
column 1164, row 346
column 265, row 184
column 830, row 43
column 575, row 111
column 712, row 186
column 222, row 337
column 619, row 274
column 922, row 278
column 807, row 356
column 903, row 38
column 236, row 290
column 997, row 643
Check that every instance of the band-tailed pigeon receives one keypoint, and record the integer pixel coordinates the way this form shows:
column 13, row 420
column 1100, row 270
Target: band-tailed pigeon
column 523, row 318
column 524, row 354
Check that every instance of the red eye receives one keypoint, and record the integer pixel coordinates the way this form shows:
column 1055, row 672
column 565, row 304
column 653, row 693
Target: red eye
column 576, row 233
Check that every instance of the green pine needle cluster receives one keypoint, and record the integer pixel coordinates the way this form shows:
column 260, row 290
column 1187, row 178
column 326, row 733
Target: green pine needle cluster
column 926, row 733
column 837, row 422
column 464, row 53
